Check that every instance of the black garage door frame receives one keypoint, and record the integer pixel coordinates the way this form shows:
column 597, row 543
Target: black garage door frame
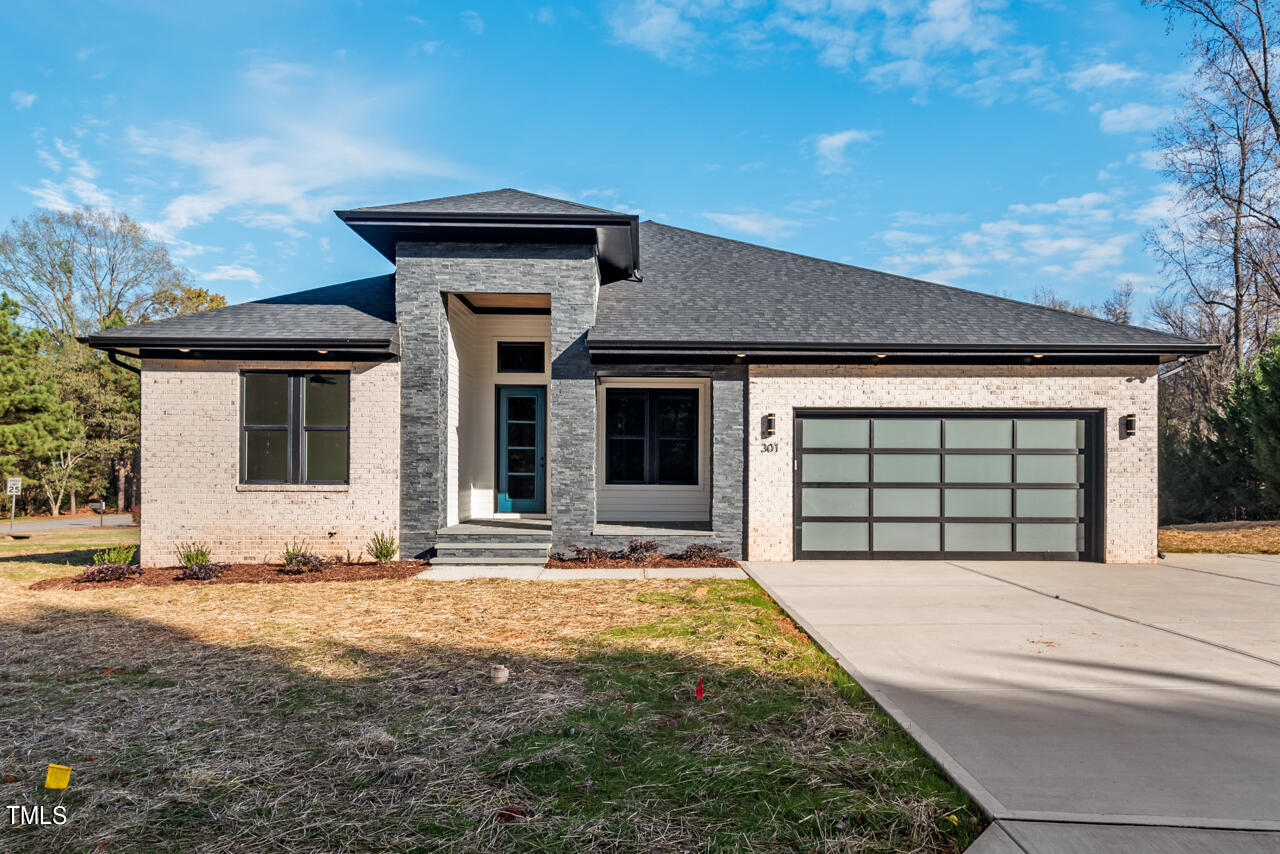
column 1093, row 483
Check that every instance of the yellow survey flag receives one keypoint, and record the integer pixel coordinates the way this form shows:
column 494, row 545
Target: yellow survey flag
column 57, row 777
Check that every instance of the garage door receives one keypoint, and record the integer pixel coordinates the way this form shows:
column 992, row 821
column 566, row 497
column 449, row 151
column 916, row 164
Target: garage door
column 985, row 485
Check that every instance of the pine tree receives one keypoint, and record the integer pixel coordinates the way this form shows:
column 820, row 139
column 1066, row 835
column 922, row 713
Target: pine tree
column 34, row 420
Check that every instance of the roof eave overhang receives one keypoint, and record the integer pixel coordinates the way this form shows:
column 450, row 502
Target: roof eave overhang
column 223, row 348
column 616, row 236
column 619, row 351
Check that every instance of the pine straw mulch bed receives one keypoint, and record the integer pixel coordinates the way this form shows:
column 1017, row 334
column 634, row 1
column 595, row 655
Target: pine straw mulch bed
column 356, row 717
column 1222, row 538
column 246, row 573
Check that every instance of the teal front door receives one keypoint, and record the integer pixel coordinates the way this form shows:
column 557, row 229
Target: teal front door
column 522, row 449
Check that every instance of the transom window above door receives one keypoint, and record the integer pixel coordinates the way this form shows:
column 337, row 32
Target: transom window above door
column 651, row 436
column 521, row 357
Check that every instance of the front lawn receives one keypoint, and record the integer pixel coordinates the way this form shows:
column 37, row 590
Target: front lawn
column 356, row 716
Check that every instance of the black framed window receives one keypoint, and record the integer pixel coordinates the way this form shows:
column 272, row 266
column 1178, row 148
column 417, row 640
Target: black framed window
column 651, row 436
column 295, row 427
column 521, row 357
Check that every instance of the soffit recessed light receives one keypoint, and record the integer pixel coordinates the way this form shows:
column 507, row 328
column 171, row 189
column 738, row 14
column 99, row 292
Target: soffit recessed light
column 322, row 352
column 184, row 349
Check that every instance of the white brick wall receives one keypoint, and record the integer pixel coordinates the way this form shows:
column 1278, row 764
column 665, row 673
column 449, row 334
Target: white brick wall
column 190, row 467
column 1131, row 483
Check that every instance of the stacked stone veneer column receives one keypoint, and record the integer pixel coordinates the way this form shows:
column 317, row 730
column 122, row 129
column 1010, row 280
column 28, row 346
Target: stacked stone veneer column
column 1130, row 463
column 191, row 467
column 427, row 271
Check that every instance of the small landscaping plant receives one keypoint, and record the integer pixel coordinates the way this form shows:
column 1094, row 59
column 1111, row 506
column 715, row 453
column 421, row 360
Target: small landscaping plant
column 193, row 554
column 109, row 572
column 116, row 555
column 590, row 554
column 700, row 551
column 201, row 572
column 382, row 547
column 638, row 551
column 299, row 559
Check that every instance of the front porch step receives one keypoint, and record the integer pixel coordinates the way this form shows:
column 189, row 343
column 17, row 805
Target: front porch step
column 490, row 560
column 486, row 550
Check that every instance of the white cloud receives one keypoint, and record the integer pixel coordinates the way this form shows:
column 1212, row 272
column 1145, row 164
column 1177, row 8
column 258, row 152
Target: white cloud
column 316, row 145
column 1163, row 206
column 901, row 237
column 232, row 273
column 22, row 100
column 1131, row 118
column 78, row 189
column 472, row 21
column 546, row 16
column 755, row 223
column 1103, row 74
column 428, row 48
column 657, row 26
column 1089, row 205
column 831, row 147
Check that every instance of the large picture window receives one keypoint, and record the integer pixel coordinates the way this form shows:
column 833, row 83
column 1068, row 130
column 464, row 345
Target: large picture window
column 294, row 427
column 651, row 436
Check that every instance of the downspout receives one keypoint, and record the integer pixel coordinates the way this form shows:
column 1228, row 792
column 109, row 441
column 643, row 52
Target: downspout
column 114, row 358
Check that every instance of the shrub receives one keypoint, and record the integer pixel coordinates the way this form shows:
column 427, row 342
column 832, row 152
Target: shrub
column 109, row 572
column 122, row 555
column 382, row 547
column 193, row 554
column 587, row 554
column 638, row 551
column 699, row 551
column 299, row 559
column 201, row 572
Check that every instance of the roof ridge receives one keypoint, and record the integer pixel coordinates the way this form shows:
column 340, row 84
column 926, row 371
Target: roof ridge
column 966, row 291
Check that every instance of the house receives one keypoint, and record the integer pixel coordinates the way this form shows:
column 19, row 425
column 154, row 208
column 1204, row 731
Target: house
column 542, row 373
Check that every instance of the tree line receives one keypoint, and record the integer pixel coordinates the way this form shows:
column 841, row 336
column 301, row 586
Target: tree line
column 69, row 418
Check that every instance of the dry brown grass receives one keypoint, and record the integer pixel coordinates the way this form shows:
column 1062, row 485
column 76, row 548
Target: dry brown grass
column 1223, row 538
column 355, row 717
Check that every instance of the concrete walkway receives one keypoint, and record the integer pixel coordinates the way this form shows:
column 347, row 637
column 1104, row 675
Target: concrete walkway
column 109, row 520
column 538, row 573
column 1086, row 707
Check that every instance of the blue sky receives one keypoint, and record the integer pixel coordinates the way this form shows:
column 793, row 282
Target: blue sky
column 992, row 145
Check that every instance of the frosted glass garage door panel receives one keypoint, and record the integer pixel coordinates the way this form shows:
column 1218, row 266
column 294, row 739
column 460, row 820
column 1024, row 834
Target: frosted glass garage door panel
column 1051, row 502
column 833, row 536
column 1050, row 468
column 837, row 433
column 1044, row 433
column 907, row 468
column 979, row 502
column 979, row 468
column 907, row 536
column 979, row 537
column 1050, row 537
column 908, row 433
column 973, row 433
column 816, row 501
column 905, row 502
column 834, row 468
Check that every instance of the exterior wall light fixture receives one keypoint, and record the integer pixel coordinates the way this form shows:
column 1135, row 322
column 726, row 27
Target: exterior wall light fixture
column 768, row 425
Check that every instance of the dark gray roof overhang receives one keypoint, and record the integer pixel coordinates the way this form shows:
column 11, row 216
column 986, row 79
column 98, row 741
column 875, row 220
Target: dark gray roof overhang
column 616, row 352
column 616, row 236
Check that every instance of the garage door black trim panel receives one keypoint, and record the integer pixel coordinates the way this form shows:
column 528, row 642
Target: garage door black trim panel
column 1090, row 480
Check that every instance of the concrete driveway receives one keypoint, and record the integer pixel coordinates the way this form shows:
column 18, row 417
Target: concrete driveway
column 1087, row 707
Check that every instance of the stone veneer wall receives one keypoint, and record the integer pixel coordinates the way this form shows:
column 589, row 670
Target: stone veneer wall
column 1131, row 473
column 191, row 460
column 427, row 271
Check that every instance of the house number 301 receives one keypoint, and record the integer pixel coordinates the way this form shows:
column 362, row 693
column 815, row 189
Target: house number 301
column 769, row 448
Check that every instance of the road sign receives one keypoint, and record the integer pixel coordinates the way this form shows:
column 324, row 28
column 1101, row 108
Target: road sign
column 13, row 486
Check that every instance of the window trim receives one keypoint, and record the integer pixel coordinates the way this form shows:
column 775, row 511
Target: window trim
column 652, row 440
column 497, row 356
column 295, row 430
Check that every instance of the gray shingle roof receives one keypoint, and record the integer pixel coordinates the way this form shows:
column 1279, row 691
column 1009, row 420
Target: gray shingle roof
column 701, row 289
column 362, row 310
column 506, row 201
